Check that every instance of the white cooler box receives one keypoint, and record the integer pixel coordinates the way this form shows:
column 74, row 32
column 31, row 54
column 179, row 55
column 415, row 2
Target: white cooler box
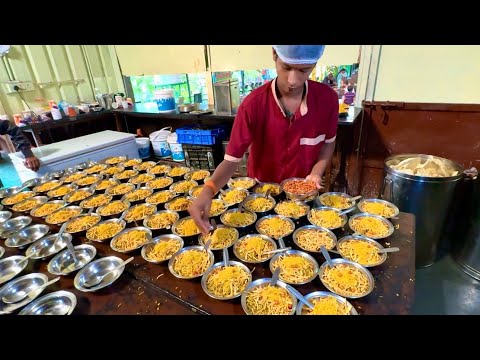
column 68, row 153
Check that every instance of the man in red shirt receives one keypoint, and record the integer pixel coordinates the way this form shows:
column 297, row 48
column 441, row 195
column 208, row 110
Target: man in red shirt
column 290, row 125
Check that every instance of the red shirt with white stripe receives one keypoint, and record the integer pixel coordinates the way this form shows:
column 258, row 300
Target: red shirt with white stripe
column 281, row 148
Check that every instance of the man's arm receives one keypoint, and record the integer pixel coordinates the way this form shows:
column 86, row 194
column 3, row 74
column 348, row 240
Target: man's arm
column 19, row 140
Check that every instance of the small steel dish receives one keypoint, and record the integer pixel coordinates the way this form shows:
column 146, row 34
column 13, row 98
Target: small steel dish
column 11, row 226
column 264, row 283
column 27, row 236
column 147, row 232
column 246, row 237
column 299, row 203
column 322, row 294
column 222, row 264
column 122, row 223
column 384, row 220
column 319, row 201
column 56, row 182
column 97, row 268
column 363, row 269
column 384, row 202
column 48, row 246
column 292, row 196
column 231, row 182
column 39, row 200
column 171, row 262
column 303, row 254
column 71, row 207
column 222, row 218
column 63, row 264
column 342, row 216
column 259, row 222
column 149, row 217
column 314, row 227
column 55, row 303
column 27, row 283
column 11, row 266
column 34, row 210
column 256, row 196
column 157, row 240
column 383, row 256
column 96, row 216
column 4, row 216
column 201, row 238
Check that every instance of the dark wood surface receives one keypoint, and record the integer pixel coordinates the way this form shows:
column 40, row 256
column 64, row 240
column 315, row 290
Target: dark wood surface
column 146, row 288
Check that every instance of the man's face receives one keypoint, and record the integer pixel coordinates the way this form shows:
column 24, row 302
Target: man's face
column 291, row 77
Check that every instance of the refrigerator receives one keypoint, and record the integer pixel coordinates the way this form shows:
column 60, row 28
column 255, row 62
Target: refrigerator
column 68, row 153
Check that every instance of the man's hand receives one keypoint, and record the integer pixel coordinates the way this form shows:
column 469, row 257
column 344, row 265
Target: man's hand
column 317, row 179
column 32, row 163
column 200, row 210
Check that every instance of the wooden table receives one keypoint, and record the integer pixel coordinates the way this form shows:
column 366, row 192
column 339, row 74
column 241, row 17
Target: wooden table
column 146, row 288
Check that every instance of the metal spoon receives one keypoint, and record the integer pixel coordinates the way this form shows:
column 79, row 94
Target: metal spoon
column 240, row 208
column 207, row 244
column 388, row 250
column 276, row 251
column 354, row 198
column 327, row 256
column 225, row 257
column 299, row 296
column 59, row 236
column 26, row 258
column 267, row 193
column 122, row 217
column 19, row 296
column 275, row 276
column 98, row 279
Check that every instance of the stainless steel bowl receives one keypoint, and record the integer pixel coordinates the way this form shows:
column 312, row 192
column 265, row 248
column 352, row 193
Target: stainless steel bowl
column 48, row 246
column 303, row 254
column 201, row 238
column 34, row 210
column 232, row 189
column 222, row 264
column 148, row 218
column 9, row 191
column 314, row 227
column 299, row 203
column 171, row 262
column 119, row 160
column 22, row 284
column 222, row 210
column 319, row 201
column 134, row 180
column 256, row 196
column 108, row 191
column 263, row 283
column 125, row 179
column 71, row 172
column 98, row 217
column 232, row 181
column 256, row 188
column 85, row 165
column 188, row 176
column 125, row 197
column 104, row 172
column 97, row 268
column 5, row 200
column 136, row 161
column 40, row 200
column 33, row 182
column 71, row 207
column 259, row 222
column 173, row 193
column 158, row 178
column 184, row 168
column 175, row 184
column 243, row 238
column 63, row 264
column 100, row 208
column 168, row 204
column 364, row 270
column 385, row 221
column 366, row 239
column 96, row 179
column 139, row 167
column 57, row 174
column 11, row 267
column 27, row 236
column 83, row 204
column 186, row 108
column 166, row 167
column 323, row 294
column 174, row 228
column 122, row 223
column 11, row 226
column 148, row 233
column 56, row 182
column 222, row 218
column 304, row 197
column 71, row 186
column 4, row 216
column 148, row 206
column 386, row 203
column 89, row 171
column 191, row 192
column 88, row 190
column 55, row 303
column 111, row 182
column 157, row 240
column 343, row 216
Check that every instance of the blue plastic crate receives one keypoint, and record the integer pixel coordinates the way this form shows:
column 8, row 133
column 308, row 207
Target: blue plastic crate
column 196, row 136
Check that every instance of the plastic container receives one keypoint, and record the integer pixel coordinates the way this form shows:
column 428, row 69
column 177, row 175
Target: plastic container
column 165, row 99
column 195, row 136
column 175, row 147
column 143, row 144
column 160, row 144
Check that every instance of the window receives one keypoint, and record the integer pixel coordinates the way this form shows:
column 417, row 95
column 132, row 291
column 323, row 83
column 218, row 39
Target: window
column 247, row 79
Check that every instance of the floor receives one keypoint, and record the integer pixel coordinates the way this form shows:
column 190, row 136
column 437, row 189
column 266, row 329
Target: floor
column 441, row 289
